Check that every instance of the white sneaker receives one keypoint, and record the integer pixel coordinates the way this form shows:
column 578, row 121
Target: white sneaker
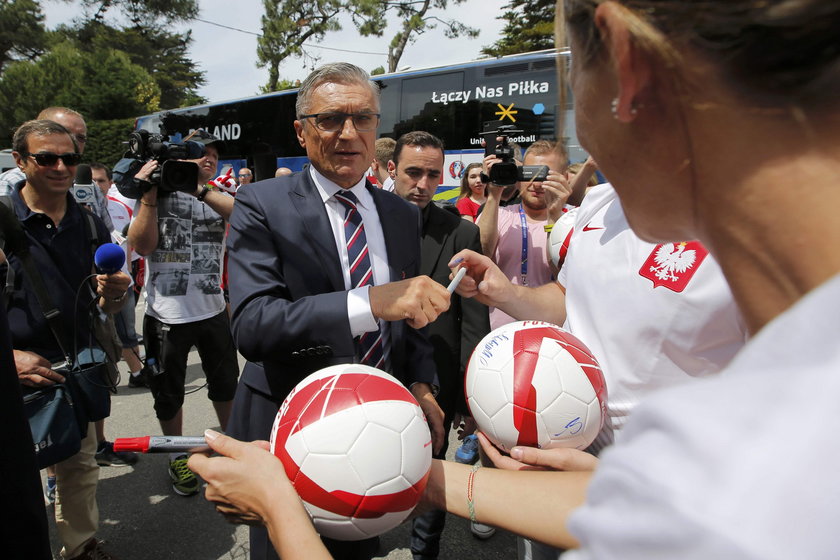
column 482, row 531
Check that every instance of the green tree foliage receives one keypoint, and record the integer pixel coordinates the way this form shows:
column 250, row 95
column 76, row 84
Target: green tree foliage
column 161, row 53
column 22, row 32
column 149, row 14
column 417, row 20
column 287, row 25
column 101, row 85
column 107, row 140
column 147, row 40
column 529, row 27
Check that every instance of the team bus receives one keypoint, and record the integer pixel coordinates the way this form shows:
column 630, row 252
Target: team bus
column 453, row 102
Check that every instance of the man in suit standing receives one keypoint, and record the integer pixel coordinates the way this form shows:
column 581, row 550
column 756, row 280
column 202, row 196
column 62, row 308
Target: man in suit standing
column 417, row 166
column 324, row 269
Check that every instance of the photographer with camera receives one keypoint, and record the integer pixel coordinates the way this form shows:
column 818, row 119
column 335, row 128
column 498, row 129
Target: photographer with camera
column 49, row 243
column 514, row 235
column 179, row 227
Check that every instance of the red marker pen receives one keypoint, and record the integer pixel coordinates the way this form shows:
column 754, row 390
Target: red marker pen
column 162, row 444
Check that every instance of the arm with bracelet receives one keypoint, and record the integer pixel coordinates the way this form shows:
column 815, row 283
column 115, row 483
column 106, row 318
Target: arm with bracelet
column 143, row 231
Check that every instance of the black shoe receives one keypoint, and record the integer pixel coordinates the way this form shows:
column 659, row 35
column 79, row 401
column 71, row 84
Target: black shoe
column 107, row 457
column 138, row 381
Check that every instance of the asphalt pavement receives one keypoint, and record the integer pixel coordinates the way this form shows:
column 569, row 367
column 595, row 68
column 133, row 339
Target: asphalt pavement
column 142, row 518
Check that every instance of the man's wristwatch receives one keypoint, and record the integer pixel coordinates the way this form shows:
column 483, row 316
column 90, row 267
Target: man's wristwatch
column 117, row 299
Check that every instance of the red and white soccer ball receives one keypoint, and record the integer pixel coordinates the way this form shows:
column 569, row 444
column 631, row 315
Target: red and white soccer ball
column 532, row 383
column 356, row 446
column 561, row 234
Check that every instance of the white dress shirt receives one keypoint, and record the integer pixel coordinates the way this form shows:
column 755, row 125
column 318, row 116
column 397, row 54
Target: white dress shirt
column 358, row 299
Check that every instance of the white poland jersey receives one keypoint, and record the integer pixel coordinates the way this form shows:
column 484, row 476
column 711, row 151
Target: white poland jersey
column 653, row 315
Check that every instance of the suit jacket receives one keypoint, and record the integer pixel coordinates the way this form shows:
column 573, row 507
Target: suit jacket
column 456, row 333
column 287, row 289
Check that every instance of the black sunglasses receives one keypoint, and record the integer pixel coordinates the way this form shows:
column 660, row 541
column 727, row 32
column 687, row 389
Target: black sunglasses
column 48, row 159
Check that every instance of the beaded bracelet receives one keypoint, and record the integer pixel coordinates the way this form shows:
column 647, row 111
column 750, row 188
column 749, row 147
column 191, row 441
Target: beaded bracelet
column 470, row 482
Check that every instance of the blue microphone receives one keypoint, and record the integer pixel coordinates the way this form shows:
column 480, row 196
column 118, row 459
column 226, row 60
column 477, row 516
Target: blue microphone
column 109, row 258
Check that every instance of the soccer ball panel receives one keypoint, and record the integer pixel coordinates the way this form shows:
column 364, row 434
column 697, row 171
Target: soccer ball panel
column 372, row 455
column 572, row 378
column 416, row 450
column 335, row 434
column 489, row 390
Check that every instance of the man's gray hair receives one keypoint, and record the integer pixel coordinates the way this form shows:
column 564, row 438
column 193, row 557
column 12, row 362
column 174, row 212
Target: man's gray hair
column 338, row 72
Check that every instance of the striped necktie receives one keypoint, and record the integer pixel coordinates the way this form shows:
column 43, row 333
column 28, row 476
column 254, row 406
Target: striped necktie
column 361, row 274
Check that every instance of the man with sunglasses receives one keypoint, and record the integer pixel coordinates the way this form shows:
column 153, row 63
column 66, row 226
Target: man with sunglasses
column 245, row 176
column 75, row 125
column 59, row 243
column 323, row 270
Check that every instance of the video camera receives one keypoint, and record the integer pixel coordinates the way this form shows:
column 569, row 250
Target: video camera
column 507, row 172
column 171, row 175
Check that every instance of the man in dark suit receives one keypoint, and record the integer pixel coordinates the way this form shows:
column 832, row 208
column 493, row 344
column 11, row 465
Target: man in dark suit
column 417, row 167
column 323, row 271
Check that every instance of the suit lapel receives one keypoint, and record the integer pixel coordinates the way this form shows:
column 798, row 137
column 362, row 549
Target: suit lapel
column 307, row 202
column 433, row 241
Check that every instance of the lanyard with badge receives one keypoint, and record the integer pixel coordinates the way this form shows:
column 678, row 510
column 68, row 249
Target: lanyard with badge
column 524, row 265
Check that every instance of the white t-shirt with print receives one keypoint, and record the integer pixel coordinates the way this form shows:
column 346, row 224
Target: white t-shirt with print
column 183, row 275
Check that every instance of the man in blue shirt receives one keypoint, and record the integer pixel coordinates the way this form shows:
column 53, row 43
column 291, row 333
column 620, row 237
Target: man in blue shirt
column 60, row 245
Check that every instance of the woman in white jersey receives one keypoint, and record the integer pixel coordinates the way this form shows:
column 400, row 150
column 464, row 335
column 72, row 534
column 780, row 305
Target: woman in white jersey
column 700, row 113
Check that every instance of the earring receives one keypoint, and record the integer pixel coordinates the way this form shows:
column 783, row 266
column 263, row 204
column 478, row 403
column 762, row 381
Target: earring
column 634, row 110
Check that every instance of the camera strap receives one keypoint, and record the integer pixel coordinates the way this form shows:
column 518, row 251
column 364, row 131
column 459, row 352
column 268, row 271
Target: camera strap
column 524, row 264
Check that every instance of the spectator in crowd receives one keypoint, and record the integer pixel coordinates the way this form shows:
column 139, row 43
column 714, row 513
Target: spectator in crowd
column 245, row 177
column 417, row 167
column 185, row 307
column 297, row 307
column 678, row 117
column 282, row 172
column 384, row 152
column 473, row 192
column 514, row 236
column 59, row 243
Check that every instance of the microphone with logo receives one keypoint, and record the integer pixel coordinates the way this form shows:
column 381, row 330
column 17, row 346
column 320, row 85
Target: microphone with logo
column 83, row 185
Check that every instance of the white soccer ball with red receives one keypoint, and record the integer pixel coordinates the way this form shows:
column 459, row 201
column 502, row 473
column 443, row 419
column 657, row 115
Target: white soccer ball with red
column 356, row 446
column 532, row 383
column 561, row 234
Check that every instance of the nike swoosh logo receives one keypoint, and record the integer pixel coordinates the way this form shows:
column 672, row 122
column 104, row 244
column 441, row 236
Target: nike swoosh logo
column 587, row 228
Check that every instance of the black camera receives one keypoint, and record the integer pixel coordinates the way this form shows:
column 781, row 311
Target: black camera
column 170, row 176
column 507, row 172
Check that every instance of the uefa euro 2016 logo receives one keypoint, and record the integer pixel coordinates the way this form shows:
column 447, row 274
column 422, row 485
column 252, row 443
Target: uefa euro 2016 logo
column 456, row 169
